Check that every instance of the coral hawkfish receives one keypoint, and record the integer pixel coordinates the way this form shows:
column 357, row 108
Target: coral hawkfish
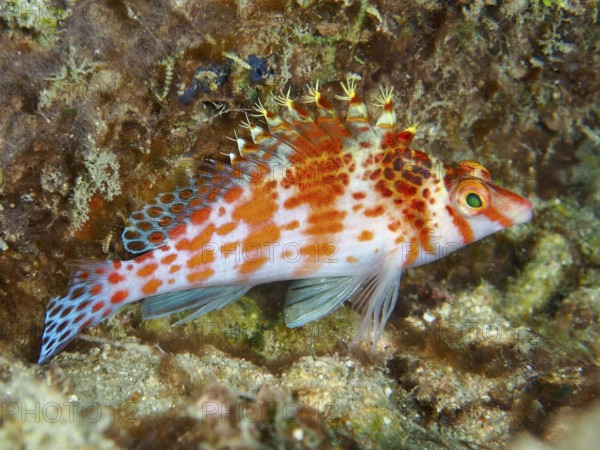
column 340, row 206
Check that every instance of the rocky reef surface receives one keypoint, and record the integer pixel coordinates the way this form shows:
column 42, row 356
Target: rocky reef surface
column 495, row 346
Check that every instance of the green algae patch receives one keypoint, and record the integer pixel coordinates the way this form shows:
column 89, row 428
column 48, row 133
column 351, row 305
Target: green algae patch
column 541, row 277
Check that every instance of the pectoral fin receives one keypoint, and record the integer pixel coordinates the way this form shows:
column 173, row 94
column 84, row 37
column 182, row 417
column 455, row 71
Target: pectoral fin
column 373, row 295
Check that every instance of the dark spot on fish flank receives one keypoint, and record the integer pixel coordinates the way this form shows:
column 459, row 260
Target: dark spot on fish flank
column 165, row 221
column 185, row 194
column 418, row 205
column 176, row 208
column 155, row 211
column 375, row 174
column 382, row 188
column 412, row 178
column 144, row 226
column 167, row 198
column 417, row 155
column 404, row 188
column 138, row 216
column 387, row 158
column 388, row 173
column 421, row 171
column 398, row 164
column 426, row 193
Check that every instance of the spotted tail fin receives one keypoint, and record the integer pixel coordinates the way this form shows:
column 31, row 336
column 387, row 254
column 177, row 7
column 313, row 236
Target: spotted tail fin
column 92, row 296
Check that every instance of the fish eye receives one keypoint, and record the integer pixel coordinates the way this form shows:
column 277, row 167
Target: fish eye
column 473, row 200
column 471, row 197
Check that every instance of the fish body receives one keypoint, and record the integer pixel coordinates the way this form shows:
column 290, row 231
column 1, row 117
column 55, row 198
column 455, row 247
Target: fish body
column 340, row 206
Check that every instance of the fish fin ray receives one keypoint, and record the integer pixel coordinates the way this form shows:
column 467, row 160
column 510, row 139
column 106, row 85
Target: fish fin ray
column 163, row 305
column 88, row 300
column 204, row 183
column 376, row 302
column 229, row 294
column 314, row 298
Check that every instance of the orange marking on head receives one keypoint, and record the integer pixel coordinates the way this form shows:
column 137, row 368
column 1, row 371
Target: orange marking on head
column 200, row 216
column 494, row 215
column 226, row 228
column 168, row 259
column 129, row 266
column 195, row 277
column 96, row 289
column 174, row 268
column 118, row 297
column 151, row 286
column 352, row 259
column 357, row 208
column 84, row 275
column 106, row 313
column 97, row 306
column 100, row 271
column 292, row 225
column 374, row 212
column 463, row 226
column 365, row 235
column 115, row 278
column 147, row 270
column 359, row 195
column 171, row 281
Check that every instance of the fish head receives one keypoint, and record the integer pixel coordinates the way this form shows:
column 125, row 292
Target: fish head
column 482, row 205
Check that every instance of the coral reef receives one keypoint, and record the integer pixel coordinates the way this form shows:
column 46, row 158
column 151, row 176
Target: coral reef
column 495, row 346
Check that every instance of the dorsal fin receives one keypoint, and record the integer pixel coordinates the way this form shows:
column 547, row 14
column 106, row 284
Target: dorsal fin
column 148, row 228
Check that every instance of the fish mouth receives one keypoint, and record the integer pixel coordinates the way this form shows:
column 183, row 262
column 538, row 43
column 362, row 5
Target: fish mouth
column 521, row 211
column 510, row 208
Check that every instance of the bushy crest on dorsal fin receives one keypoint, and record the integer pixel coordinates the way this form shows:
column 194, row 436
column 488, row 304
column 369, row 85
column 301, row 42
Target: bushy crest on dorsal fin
column 289, row 138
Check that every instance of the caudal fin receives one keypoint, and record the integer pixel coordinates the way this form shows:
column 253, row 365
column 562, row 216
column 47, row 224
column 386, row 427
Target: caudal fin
column 88, row 300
